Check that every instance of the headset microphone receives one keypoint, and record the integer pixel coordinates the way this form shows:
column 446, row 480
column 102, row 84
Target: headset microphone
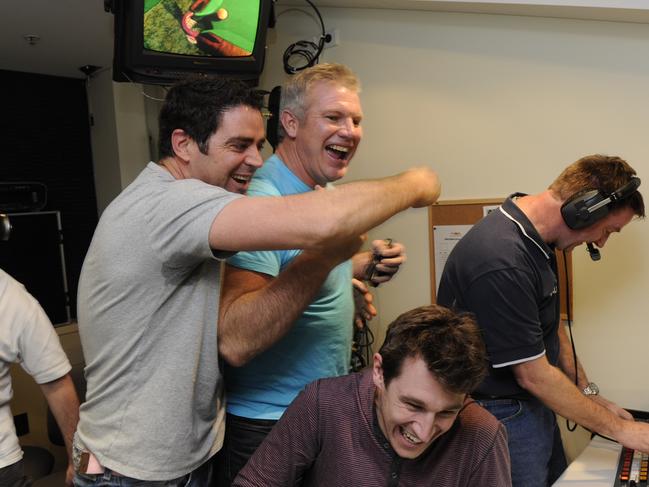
column 593, row 252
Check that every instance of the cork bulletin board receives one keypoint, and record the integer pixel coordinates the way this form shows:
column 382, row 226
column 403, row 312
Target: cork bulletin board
column 448, row 221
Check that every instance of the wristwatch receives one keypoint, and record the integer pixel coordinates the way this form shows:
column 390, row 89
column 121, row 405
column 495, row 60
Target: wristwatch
column 591, row 389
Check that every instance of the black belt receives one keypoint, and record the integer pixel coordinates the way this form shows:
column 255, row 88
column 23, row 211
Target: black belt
column 488, row 397
column 479, row 395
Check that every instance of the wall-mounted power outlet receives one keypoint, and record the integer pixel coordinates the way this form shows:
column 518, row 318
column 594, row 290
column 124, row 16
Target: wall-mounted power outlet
column 332, row 39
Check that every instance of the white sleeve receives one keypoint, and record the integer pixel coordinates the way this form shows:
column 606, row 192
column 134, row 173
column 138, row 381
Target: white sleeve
column 28, row 336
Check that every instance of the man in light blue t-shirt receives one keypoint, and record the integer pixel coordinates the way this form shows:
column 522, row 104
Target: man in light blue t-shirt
column 287, row 339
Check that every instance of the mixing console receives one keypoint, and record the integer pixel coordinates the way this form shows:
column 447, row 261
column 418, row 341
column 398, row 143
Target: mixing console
column 633, row 465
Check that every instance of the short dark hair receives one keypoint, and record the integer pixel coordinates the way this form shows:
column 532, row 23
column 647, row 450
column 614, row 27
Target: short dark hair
column 598, row 172
column 196, row 105
column 450, row 343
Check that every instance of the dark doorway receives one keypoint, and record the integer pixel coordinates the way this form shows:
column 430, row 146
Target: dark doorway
column 45, row 134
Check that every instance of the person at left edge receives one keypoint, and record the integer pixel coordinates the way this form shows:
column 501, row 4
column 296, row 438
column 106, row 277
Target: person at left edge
column 27, row 337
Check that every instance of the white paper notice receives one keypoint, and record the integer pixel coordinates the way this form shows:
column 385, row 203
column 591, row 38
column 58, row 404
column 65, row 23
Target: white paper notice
column 445, row 237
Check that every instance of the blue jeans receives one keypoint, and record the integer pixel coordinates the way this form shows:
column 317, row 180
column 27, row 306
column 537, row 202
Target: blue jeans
column 200, row 477
column 535, row 446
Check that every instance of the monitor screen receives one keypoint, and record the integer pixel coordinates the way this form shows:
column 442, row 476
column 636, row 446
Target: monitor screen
column 215, row 28
column 160, row 41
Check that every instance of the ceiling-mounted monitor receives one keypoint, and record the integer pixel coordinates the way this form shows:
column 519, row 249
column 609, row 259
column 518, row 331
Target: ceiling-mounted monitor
column 162, row 41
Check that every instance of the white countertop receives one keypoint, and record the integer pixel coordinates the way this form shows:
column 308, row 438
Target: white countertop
column 596, row 466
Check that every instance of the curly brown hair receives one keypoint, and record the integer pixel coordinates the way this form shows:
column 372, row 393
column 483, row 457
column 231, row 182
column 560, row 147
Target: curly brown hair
column 450, row 343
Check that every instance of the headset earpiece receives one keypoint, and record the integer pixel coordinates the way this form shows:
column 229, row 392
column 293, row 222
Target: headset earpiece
column 587, row 208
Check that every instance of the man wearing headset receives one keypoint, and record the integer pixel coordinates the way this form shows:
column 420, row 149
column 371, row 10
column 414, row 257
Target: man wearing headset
column 504, row 271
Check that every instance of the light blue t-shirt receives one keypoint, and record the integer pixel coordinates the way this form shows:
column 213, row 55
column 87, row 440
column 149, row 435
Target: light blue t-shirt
column 319, row 343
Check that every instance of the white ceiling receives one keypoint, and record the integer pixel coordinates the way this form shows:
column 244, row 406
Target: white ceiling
column 73, row 33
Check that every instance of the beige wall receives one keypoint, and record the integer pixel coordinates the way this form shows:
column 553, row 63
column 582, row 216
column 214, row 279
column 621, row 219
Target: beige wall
column 103, row 135
column 498, row 104
column 120, row 136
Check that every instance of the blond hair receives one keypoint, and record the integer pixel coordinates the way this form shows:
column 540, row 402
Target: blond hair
column 296, row 88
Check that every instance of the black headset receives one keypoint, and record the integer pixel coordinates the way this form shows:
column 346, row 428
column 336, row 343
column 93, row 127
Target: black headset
column 272, row 125
column 586, row 208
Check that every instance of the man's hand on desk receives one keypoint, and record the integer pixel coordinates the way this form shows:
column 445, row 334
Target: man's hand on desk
column 634, row 434
column 611, row 406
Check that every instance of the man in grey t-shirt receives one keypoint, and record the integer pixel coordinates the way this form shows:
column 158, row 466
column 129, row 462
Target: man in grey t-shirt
column 149, row 287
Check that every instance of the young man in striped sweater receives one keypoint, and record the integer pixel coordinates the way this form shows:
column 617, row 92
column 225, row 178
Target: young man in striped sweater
column 406, row 421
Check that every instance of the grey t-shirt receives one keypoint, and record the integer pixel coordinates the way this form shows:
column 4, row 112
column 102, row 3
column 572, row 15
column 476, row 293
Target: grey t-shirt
column 147, row 311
